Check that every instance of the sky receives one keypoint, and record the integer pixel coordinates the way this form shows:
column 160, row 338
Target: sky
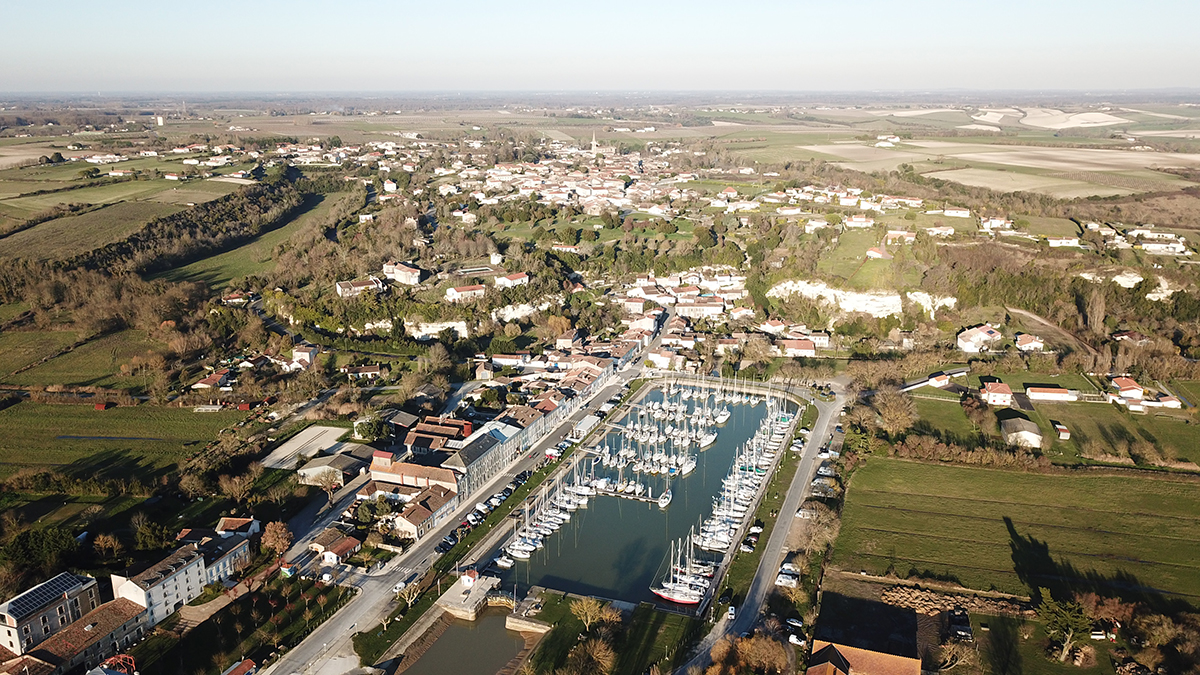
column 566, row 45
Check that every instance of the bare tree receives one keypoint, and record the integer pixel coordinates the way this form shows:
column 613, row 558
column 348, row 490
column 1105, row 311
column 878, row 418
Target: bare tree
column 236, row 488
column 896, row 410
column 277, row 537
column 328, row 480
column 588, row 610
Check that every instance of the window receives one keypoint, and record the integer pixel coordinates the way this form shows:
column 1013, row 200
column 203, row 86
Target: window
column 26, row 629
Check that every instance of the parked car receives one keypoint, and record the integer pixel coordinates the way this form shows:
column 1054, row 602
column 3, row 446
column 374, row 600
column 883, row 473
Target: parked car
column 731, row 613
column 398, row 587
column 795, row 623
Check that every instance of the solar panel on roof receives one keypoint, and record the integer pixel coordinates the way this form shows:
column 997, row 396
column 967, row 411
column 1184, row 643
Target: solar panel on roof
column 34, row 599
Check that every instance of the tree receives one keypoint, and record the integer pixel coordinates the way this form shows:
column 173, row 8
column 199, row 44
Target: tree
column 592, row 656
column 192, row 485
column 704, row 237
column 896, row 410
column 328, row 480
column 236, row 488
column 277, row 537
column 1065, row 622
column 1095, row 311
column 588, row 610
column 107, row 545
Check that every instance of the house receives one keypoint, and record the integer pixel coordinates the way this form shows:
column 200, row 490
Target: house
column 425, row 510
column 43, row 610
column 402, row 273
column 1060, row 242
column 976, row 339
column 485, row 371
column 352, row 289
column 1133, row 336
column 565, row 248
column 796, row 348
column 838, row 659
column 229, row 526
column 465, row 293
column 385, row 469
column 899, row 237
column 341, row 549
column 512, row 280
column 569, row 340
column 179, row 578
column 1021, row 432
column 305, row 357
column 1029, row 343
column 741, row 313
column 108, row 629
column 1128, row 388
column 1064, row 434
column 954, row 212
column 876, row 253
column 997, row 393
column 773, row 327
column 860, row 222
column 344, row 467
column 633, row 305
column 814, row 225
column 989, row 224
column 362, row 372
column 941, row 231
column 219, row 379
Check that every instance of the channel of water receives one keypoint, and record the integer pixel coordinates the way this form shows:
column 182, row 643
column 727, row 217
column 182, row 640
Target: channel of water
column 617, row 548
column 479, row 647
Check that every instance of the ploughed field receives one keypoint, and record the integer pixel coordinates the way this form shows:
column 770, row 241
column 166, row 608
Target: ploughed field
column 1006, row 530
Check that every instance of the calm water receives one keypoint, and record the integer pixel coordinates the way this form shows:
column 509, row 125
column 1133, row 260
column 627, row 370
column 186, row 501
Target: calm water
column 482, row 647
column 617, row 548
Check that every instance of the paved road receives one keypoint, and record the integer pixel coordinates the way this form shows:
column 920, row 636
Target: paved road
column 747, row 616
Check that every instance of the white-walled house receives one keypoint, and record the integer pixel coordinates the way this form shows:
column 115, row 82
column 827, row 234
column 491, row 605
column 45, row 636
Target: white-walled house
column 465, row 293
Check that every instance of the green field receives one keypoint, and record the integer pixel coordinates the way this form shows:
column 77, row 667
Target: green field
column 100, row 194
column 255, row 256
column 849, row 254
column 123, row 442
column 946, row 416
column 20, row 349
column 66, row 237
column 1173, row 433
column 1128, row 533
column 95, row 364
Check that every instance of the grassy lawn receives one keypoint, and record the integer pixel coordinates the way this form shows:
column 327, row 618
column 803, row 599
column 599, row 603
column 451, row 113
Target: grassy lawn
column 1125, row 533
column 1174, row 434
column 653, row 637
column 65, row 237
column 846, row 258
column 12, row 310
column 945, row 416
column 18, row 350
column 1188, row 389
column 552, row 652
column 255, row 256
column 1003, row 645
column 126, row 442
column 96, row 364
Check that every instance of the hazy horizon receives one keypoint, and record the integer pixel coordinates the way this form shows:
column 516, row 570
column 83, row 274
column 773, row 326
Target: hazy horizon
column 934, row 46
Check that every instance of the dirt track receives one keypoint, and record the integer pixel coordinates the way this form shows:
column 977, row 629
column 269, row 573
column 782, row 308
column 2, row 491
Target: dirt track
column 1051, row 328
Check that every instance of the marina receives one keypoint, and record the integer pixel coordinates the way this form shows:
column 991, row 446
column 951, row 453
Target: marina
column 656, row 503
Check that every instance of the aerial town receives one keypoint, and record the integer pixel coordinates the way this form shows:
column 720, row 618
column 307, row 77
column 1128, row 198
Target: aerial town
column 589, row 382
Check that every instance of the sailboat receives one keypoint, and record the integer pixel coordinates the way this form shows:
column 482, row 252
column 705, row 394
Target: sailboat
column 674, row 590
column 664, row 499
